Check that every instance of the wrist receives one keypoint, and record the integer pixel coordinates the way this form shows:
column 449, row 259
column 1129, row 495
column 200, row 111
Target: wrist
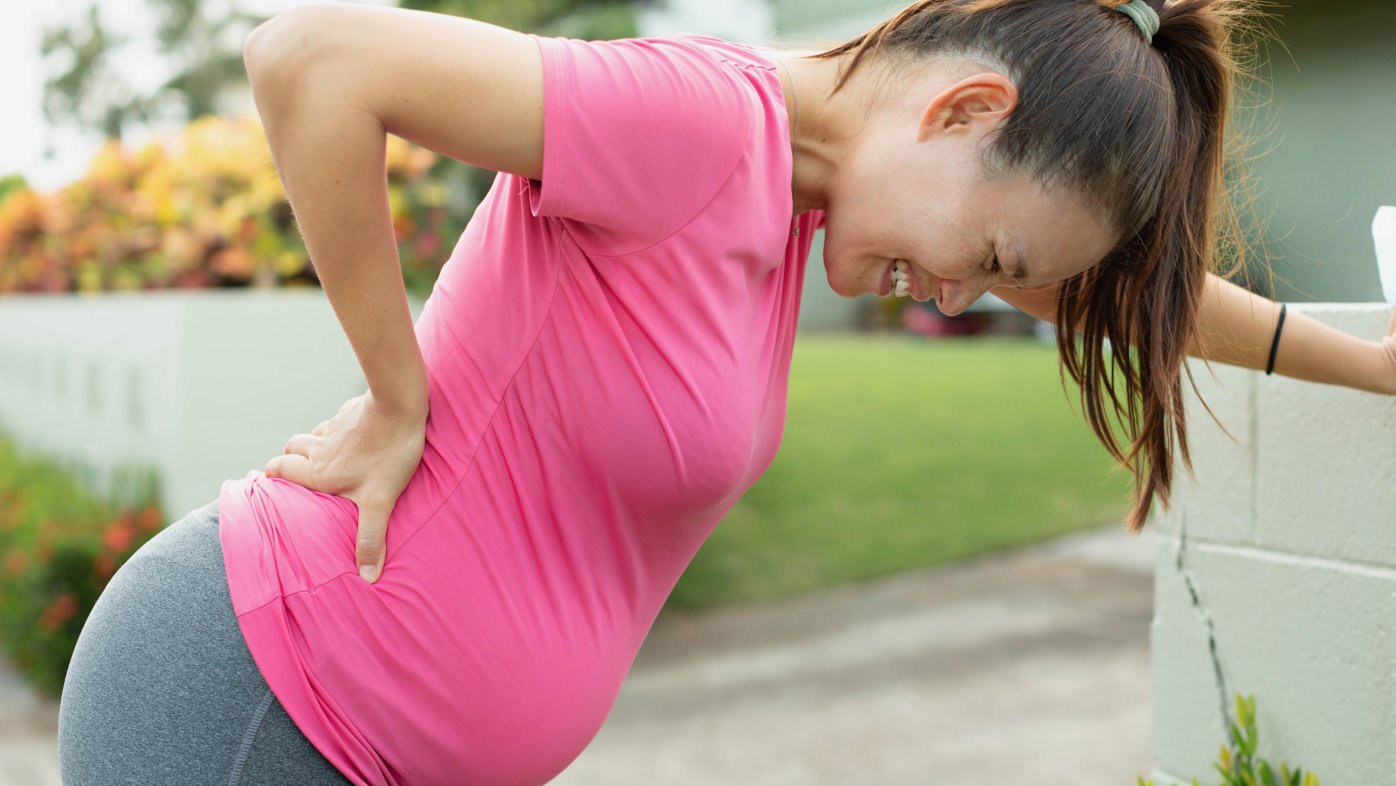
column 1384, row 366
column 407, row 398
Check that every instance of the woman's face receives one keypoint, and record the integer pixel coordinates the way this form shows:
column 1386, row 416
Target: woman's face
column 914, row 191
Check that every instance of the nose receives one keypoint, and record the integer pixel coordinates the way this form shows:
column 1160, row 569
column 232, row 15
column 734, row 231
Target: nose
column 959, row 296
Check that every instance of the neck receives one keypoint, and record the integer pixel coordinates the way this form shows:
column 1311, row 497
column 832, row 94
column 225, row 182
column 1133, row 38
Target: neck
column 822, row 136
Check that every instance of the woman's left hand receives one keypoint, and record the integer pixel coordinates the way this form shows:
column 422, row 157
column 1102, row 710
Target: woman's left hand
column 1388, row 344
column 366, row 453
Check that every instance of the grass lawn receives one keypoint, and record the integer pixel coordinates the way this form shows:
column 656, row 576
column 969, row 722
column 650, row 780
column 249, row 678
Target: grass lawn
column 903, row 453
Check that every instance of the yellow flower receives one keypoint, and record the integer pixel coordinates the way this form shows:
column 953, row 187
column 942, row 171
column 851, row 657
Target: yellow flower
column 109, row 164
column 290, row 263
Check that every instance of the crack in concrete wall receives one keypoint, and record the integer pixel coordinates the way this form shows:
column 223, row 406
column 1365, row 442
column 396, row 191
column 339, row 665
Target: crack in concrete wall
column 1206, row 620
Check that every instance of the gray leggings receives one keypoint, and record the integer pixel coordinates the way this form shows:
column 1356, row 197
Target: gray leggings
column 162, row 688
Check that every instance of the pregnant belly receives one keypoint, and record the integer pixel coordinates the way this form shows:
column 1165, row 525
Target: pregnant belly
column 472, row 683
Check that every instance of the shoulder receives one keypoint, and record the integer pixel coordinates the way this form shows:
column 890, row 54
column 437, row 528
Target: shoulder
column 640, row 134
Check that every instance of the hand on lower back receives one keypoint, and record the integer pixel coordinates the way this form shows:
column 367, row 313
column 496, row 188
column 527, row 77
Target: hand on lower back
column 366, row 453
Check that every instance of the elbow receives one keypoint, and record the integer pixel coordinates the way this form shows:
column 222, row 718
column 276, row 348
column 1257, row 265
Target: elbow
column 253, row 46
column 260, row 47
column 280, row 44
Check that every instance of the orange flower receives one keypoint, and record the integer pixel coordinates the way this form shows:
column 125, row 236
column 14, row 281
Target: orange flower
column 233, row 262
column 420, row 160
column 16, row 562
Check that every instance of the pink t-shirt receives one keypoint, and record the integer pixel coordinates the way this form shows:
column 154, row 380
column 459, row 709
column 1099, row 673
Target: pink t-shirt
column 608, row 352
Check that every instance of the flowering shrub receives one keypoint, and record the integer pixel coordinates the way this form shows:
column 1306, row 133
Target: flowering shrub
column 206, row 210
column 58, row 549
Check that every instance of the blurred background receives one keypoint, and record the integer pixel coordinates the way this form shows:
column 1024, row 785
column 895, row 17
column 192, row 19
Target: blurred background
column 145, row 238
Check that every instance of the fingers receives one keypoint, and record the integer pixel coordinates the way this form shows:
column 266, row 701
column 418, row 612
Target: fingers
column 300, row 443
column 370, row 549
column 291, row 466
column 319, row 430
column 350, row 403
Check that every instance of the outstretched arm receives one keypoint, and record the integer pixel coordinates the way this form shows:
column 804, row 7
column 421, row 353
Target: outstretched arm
column 1237, row 327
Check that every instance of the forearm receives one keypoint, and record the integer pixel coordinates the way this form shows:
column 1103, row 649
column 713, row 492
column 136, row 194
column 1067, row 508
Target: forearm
column 1238, row 327
column 330, row 155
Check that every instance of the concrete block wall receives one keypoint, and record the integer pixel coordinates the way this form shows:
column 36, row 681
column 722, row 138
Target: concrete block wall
column 201, row 385
column 1276, row 575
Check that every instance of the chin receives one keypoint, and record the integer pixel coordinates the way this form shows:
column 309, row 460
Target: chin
column 845, row 289
column 843, row 285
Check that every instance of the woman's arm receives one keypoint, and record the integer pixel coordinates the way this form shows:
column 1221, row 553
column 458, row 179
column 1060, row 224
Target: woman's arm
column 330, row 82
column 1237, row 327
column 330, row 155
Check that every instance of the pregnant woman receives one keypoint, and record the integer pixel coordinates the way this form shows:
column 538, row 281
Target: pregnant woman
column 600, row 371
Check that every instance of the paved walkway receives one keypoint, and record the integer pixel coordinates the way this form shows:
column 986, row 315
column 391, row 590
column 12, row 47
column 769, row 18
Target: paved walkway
column 28, row 734
column 1023, row 667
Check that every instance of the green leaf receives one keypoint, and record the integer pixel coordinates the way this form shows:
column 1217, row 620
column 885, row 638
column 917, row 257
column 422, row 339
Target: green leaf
column 1252, row 738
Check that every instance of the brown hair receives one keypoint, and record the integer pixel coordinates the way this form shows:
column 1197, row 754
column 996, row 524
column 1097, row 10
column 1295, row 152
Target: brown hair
column 1134, row 129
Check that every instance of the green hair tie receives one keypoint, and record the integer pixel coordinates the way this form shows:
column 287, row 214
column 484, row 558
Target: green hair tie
column 1144, row 16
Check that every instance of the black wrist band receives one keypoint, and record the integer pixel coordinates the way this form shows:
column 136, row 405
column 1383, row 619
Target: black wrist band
column 1275, row 346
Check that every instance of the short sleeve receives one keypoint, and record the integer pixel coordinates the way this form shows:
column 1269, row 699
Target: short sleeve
column 639, row 135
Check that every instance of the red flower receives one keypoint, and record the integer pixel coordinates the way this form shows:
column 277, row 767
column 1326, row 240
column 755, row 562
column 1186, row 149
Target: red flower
column 62, row 607
column 118, row 537
column 148, row 519
column 104, row 566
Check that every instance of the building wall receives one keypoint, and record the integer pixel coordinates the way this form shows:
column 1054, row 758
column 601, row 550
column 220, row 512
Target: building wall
column 1276, row 574
column 1332, row 158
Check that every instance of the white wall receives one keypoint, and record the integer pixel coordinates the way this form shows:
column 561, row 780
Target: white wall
column 201, row 385
column 1281, row 559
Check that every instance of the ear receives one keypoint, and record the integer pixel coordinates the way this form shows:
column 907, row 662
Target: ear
column 973, row 104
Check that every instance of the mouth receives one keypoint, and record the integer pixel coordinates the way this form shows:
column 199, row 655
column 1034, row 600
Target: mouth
column 918, row 287
column 915, row 288
column 913, row 280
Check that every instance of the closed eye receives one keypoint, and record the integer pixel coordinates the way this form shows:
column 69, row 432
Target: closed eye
column 996, row 268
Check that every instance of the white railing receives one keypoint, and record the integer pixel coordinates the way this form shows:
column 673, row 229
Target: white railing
column 200, row 385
